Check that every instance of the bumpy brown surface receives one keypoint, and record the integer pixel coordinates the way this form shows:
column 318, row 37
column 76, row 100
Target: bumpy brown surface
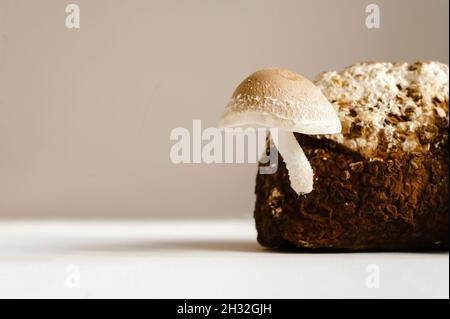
column 393, row 199
column 399, row 203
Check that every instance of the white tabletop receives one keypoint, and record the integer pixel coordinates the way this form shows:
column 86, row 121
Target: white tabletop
column 197, row 259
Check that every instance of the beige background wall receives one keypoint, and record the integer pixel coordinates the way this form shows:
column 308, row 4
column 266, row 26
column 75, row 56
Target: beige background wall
column 85, row 115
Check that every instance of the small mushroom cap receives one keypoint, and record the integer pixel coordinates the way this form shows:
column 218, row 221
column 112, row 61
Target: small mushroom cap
column 280, row 98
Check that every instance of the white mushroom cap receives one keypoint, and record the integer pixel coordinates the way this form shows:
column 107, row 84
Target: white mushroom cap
column 280, row 98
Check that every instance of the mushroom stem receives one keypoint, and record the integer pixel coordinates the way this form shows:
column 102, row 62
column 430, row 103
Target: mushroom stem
column 297, row 164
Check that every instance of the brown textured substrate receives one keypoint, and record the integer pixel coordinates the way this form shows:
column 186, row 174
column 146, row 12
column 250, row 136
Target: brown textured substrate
column 395, row 201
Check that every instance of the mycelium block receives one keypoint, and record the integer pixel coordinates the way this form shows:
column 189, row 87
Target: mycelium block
column 383, row 182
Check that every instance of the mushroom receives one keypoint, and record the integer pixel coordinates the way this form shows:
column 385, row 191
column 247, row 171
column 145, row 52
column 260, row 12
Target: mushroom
column 282, row 99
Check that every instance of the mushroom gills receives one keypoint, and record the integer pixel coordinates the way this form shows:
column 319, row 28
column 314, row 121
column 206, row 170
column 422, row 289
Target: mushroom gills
column 297, row 164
